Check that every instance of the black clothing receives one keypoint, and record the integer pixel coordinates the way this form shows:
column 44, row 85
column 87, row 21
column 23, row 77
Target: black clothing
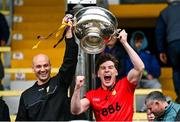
column 4, row 111
column 4, row 28
column 50, row 101
column 4, row 36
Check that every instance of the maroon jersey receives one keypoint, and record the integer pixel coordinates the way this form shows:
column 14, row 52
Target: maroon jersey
column 115, row 104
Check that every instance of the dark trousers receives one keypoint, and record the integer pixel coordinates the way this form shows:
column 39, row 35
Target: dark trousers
column 174, row 57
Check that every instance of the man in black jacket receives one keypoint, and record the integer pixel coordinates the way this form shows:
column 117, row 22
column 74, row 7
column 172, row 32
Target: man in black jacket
column 47, row 99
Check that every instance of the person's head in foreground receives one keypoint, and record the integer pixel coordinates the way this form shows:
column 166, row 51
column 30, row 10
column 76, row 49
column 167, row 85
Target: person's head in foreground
column 42, row 68
column 106, row 67
column 156, row 103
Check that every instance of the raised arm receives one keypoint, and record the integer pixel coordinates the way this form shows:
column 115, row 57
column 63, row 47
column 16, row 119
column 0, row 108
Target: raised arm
column 68, row 67
column 79, row 105
column 134, row 74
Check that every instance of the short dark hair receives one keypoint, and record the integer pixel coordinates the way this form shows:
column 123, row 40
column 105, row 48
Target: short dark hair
column 155, row 95
column 106, row 57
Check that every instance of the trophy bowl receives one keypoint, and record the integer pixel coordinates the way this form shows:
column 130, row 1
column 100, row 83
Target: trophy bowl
column 94, row 26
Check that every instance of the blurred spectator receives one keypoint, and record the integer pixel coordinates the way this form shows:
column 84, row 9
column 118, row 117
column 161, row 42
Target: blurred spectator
column 4, row 111
column 168, row 40
column 152, row 69
column 151, row 116
column 162, row 109
column 4, row 36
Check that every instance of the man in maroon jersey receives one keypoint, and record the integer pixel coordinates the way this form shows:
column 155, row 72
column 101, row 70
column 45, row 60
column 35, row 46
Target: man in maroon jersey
column 113, row 101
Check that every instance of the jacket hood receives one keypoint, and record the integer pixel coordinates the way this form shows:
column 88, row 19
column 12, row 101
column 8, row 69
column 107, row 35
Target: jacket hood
column 144, row 42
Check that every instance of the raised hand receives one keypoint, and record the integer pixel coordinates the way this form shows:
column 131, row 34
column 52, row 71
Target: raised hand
column 122, row 36
column 79, row 81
